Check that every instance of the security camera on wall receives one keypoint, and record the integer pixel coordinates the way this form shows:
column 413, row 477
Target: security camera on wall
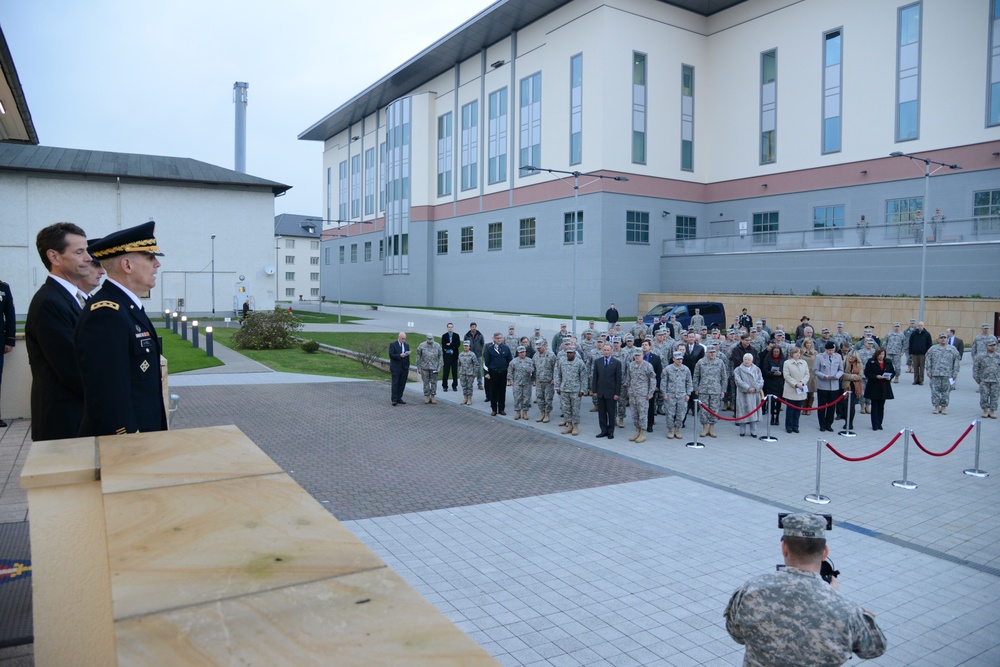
column 269, row 269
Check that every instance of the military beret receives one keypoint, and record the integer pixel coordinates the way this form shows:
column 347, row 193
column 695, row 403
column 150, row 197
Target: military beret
column 521, row 348
column 804, row 525
column 829, row 345
column 134, row 239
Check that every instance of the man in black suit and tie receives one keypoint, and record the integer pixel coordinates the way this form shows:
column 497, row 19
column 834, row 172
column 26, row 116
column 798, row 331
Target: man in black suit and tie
column 607, row 384
column 957, row 343
column 657, row 364
column 451, row 346
column 399, row 367
column 56, row 383
column 693, row 353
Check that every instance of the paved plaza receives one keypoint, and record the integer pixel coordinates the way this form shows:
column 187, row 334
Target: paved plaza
column 560, row 550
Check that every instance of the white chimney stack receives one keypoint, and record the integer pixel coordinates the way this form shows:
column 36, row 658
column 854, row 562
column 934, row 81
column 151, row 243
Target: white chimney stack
column 240, row 99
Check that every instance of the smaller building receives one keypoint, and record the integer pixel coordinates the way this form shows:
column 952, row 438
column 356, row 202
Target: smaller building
column 296, row 256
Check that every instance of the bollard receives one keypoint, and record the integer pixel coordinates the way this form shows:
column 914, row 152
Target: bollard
column 767, row 437
column 176, row 321
column 817, row 497
column 847, row 432
column 694, row 444
column 166, row 318
column 905, row 483
column 194, row 334
column 184, row 327
column 208, row 342
column 974, row 470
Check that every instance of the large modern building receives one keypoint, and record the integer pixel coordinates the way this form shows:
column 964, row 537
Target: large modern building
column 753, row 134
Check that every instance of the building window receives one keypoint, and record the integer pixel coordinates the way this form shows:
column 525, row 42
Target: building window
column 768, row 106
column 289, row 259
column 398, row 170
column 637, row 227
column 313, row 291
column 498, row 136
column 326, row 256
column 908, row 73
column 290, row 291
column 904, row 218
column 381, row 182
column 576, row 109
column 381, row 249
column 466, row 239
column 687, row 118
column 355, row 186
column 494, row 236
column 289, row 275
column 828, row 222
column 314, row 245
column 527, row 233
column 986, row 211
column 368, row 251
column 444, row 155
column 993, row 64
column 370, row 181
column 638, row 108
column 442, row 242
column 329, row 193
column 568, row 227
column 314, row 276
column 342, row 189
column 686, row 228
column 531, row 123
column 832, row 80
column 341, row 251
column 290, row 243
column 470, row 145
column 314, row 261
column 354, row 253
column 765, row 228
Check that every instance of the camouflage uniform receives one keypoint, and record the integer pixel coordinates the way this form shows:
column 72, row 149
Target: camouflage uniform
column 710, row 378
column 545, row 365
column 759, row 341
column 697, row 322
column 639, row 386
column 864, row 354
column 840, row 337
column 979, row 344
column 521, row 371
column 512, row 341
column 676, row 385
column 986, row 371
column 942, row 365
column 906, row 345
column 570, row 381
column 626, row 359
column 430, row 358
column 894, row 346
column 638, row 328
column 467, row 363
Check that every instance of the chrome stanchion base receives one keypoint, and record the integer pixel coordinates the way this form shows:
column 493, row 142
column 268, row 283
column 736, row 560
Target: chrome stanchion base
column 976, row 472
column 847, row 433
column 818, row 499
column 767, row 438
column 694, row 445
column 904, row 484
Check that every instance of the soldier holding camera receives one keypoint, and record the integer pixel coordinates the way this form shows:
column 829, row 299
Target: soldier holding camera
column 796, row 615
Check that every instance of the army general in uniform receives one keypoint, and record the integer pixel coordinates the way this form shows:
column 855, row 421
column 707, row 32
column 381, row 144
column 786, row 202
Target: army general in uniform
column 116, row 346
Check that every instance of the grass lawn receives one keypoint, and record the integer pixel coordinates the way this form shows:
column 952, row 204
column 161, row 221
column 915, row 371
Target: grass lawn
column 309, row 317
column 350, row 340
column 181, row 356
column 294, row 360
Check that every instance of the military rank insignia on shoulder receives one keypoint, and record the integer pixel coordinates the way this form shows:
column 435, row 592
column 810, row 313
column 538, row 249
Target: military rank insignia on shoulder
column 104, row 304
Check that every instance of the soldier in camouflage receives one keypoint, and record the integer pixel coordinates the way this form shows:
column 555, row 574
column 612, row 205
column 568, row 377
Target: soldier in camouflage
column 979, row 344
column 639, row 384
column 676, row 386
column 697, row 320
column 783, row 343
column 986, row 371
column 710, row 376
column 664, row 350
column 638, row 328
column 942, row 369
column 895, row 343
column 840, row 336
column 467, row 364
column 793, row 616
column 430, row 358
column 864, row 354
column 511, row 340
column 545, row 367
column 571, row 383
column 619, row 352
column 760, row 338
column 906, row 344
column 521, row 372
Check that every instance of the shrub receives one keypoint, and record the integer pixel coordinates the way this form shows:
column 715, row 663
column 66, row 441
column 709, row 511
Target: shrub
column 263, row 330
column 310, row 346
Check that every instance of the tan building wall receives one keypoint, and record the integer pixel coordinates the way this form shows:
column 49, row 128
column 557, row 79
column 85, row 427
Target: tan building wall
column 965, row 315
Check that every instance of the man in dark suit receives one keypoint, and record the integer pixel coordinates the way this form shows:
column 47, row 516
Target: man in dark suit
column 693, row 353
column 451, row 346
column 957, row 343
column 399, row 367
column 607, row 384
column 497, row 358
column 8, row 324
column 657, row 364
column 117, row 348
column 56, row 383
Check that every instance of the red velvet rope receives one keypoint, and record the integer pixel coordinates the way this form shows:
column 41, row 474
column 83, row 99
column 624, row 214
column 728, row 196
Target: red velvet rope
column 732, row 419
column 818, row 407
column 864, row 458
column 960, row 439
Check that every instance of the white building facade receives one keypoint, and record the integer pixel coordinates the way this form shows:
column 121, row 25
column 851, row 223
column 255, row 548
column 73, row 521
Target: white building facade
column 297, row 240
column 753, row 138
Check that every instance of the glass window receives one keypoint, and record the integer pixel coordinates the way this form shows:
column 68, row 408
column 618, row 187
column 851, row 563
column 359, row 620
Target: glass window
column 340, row 250
column 498, row 136
column 986, row 211
column 904, row 218
column 765, row 228
column 370, row 181
column 470, row 145
column 354, row 253
column 398, row 172
column 314, row 245
column 531, row 123
column 828, row 222
column 289, row 243
column 326, row 256
column 568, row 227
column 368, row 251
column 832, row 79
column 686, row 228
column 527, row 233
column 342, row 189
column 329, row 193
column 687, row 118
column 494, row 237
column 314, row 276
column 289, row 275
column 466, row 239
column 355, row 186
column 638, row 107
column 993, row 92
column 908, row 74
column 444, row 149
column 314, row 260
column 381, row 249
column 576, row 109
column 289, row 259
column 442, row 242
column 313, row 291
column 637, row 227
column 381, row 183
column 768, row 106
column 290, row 291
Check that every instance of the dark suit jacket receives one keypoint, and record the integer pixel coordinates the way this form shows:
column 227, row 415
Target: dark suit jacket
column 119, row 356
column 8, row 319
column 56, row 383
column 654, row 360
column 396, row 361
column 497, row 361
column 959, row 345
column 607, row 382
column 877, row 388
column 451, row 341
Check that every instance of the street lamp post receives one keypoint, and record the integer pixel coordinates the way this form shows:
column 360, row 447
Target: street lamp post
column 923, row 232
column 576, row 212
column 213, row 276
column 277, row 247
column 340, row 303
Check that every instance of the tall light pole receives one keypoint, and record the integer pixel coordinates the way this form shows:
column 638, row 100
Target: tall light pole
column 277, row 247
column 340, row 303
column 213, row 276
column 576, row 212
column 926, row 210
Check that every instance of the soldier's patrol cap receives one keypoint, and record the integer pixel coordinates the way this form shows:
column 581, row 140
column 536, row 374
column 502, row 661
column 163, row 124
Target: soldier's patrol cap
column 593, row 322
column 758, row 323
column 991, row 342
column 511, row 326
column 824, row 330
column 537, row 328
column 562, row 325
column 521, row 348
column 942, row 335
column 465, row 343
column 779, row 332
column 763, row 319
column 629, row 338
column 571, row 348
column 134, row 239
column 714, row 329
column 840, row 324
column 896, row 324
column 430, row 336
column 678, row 355
column 588, row 332
column 811, row 526
column 713, row 348
column 638, row 352
column 986, row 326
column 913, row 321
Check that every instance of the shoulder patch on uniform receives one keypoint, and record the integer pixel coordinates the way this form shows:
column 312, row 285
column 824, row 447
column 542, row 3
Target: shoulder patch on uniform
column 104, row 304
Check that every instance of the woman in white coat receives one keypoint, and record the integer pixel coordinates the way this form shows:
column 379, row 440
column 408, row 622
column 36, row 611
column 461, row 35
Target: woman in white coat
column 796, row 374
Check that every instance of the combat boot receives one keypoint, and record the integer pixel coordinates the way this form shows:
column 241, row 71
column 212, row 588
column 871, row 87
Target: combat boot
column 546, row 420
column 562, row 423
column 517, row 415
column 711, row 431
column 944, row 409
column 993, row 414
column 986, row 414
column 704, row 431
column 576, row 429
column 541, row 417
column 670, row 433
column 427, row 399
column 621, row 423
column 641, row 438
column 937, row 409
column 896, row 379
column 568, row 429
column 634, row 437
column 433, row 400
column 593, row 409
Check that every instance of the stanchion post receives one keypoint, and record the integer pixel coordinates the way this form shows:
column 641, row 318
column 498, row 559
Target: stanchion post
column 175, row 321
column 209, row 348
column 847, row 432
column 166, row 319
column 194, row 334
column 817, row 497
column 767, row 437
column 905, row 483
column 694, row 444
column 184, row 327
column 974, row 470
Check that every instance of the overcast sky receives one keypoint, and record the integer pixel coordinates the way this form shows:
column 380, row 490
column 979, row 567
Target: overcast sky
column 134, row 76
